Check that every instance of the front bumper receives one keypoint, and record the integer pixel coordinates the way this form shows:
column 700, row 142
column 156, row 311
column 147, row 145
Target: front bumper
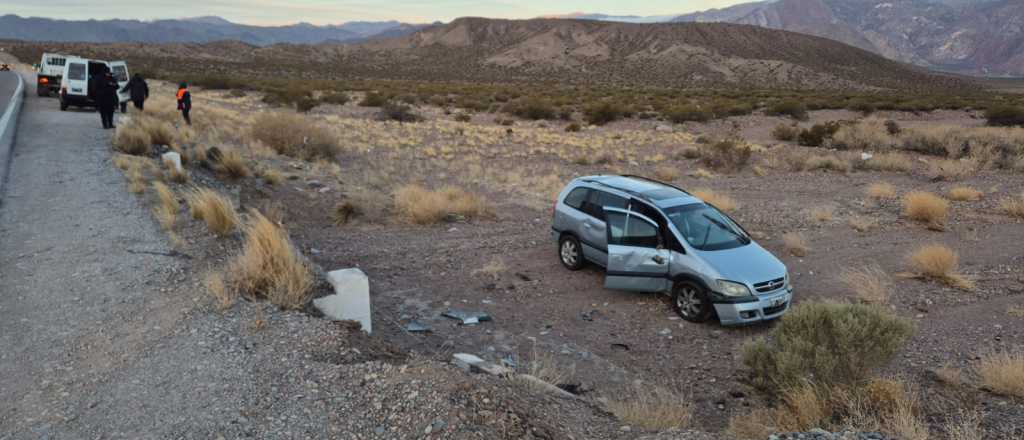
column 766, row 308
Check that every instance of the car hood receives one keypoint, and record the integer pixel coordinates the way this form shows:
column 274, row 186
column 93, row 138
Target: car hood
column 749, row 264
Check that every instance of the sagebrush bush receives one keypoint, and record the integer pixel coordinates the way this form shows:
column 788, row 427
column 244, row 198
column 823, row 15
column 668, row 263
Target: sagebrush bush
column 397, row 112
column 828, row 343
column 1013, row 206
column 294, row 135
column 869, row 134
column 532, row 108
column 687, row 113
column 270, row 266
column 336, row 98
column 373, row 99
column 727, row 156
column 785, row 132
column 788, row 107
column 818, row 134
column 603, row 112
column 1005, row 116
column 653, row 409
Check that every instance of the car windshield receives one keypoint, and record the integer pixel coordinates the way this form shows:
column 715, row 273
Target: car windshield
column 705, row 228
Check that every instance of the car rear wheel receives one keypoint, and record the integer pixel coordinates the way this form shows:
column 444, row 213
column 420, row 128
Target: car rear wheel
column 570, row 252
column 691, row 302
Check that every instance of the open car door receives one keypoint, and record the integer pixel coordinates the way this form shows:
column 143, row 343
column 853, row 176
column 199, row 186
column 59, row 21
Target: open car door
column 637, row 261
column 120, row 71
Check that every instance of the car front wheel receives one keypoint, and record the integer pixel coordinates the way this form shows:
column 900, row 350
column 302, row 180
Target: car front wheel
column 691, row 302
column 570, row 252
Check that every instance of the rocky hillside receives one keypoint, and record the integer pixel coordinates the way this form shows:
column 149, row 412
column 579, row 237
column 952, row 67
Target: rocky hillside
column 585, row 52
column 675, row 55
column 981, row 37
column 193, row 30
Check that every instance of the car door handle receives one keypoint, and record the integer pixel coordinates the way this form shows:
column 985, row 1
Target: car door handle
column 658, row 259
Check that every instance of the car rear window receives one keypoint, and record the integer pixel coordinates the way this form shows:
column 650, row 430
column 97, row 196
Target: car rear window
column 76, row 71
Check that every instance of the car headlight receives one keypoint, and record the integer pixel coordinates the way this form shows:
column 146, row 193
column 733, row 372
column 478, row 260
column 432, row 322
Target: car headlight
column 729, row 288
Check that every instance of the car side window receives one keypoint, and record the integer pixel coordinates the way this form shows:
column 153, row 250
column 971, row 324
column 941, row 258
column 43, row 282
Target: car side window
column 599, row 200
column 577, row 198
column 626, row 230
column 648, row 211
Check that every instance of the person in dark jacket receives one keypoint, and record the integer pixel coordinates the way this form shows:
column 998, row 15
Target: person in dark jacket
column 138, row 89
column 106, row 98
column 185, row 102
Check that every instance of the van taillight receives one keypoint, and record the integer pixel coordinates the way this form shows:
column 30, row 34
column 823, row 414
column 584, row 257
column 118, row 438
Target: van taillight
column 43, row 81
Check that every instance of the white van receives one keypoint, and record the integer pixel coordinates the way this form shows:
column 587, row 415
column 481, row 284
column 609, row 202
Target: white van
column 76, row 81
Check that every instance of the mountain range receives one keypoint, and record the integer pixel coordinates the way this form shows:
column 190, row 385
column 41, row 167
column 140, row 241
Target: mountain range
column 195, row 30
column 977, row 37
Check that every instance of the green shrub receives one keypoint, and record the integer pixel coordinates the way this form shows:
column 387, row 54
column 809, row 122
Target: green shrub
column 236, row 93
column 818, row 134
column 305, row 104
column 290, row 95
column 1005, row 115
column 336, row 98
column 603, row 112
column 725, row 108
column 862, row 105
column 373, row 99
column 686, row 113
column 727, row 156
column 573, row 127
column 463, row 117
column 394, row 111
column 789, row 107
column 531, row 108
column 893, row 128
column 785, row 132
column 827, row 343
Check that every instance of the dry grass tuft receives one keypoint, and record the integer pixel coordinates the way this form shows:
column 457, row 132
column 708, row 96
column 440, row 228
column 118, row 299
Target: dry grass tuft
column 795, row 244
column 166, row 211
column 233, row 164
column 1016, row 311
column 822, row 214
column 214, row 209
column 271, row 175
column 1003, row 373
column 965, row 194
column 757, row 424
column 927, row 208
column 295, row 135
column 655, row 410
column 947, row 169
column 949, row 375
column 896, row 162
column 667, row 174
column 940, row 263
column 270, row 266
column 881, row 190
column 1013, row 206
column 863, row 224
column 827, row 163
column 965, row 427
column 132, row 139
column 720, row 201
column 344, row 212
column 216, row 285
column 546, row 368
column 423, row 206
column 701, row 173
column 871, row 284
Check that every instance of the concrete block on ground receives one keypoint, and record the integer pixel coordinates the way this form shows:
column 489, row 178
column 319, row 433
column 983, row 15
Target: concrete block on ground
column 174, row 158
column 466, row 361
column 351, row 299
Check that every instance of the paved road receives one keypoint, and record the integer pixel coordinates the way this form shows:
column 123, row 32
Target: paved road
column 74, row 303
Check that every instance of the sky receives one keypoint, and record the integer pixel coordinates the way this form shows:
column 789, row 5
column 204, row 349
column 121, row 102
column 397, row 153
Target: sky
column 276, row 12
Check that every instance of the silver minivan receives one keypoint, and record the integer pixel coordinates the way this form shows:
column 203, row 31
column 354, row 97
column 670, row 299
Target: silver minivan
column 654, row 237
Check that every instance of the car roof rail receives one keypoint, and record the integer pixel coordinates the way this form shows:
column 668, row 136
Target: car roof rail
column 648, row 179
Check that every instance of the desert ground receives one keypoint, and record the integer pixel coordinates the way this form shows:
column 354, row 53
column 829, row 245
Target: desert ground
column 453, row 211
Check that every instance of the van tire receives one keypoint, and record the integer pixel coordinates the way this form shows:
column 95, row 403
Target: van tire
column 691, row 302
column 570, row 253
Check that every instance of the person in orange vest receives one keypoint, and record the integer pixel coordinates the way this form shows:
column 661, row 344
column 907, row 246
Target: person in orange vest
column 185, row 102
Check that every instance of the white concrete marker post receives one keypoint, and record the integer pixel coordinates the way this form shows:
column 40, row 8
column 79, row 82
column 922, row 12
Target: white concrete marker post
column 174, row 158
column 351, row 299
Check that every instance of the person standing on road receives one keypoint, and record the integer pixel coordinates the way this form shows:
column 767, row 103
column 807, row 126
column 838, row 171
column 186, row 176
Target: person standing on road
column 185, row 102
column 106, row 98
column 138, row 89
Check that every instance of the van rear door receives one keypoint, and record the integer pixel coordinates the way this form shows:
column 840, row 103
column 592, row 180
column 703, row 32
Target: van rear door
column 120, row 71
column 75, row 80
